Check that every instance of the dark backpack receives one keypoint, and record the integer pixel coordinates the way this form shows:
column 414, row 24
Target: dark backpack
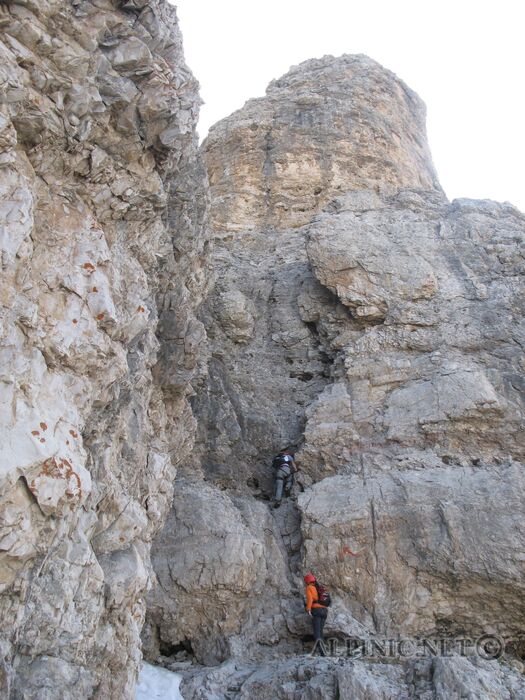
column 323, row 596
column 280, row 460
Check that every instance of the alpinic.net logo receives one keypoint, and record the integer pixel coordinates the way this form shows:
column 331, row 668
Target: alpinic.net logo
column 486, row 646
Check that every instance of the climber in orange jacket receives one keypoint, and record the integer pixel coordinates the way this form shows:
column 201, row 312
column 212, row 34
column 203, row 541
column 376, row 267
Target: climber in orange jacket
column 316, row 609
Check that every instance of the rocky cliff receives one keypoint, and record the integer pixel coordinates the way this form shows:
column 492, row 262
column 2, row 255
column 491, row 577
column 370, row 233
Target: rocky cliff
column 357, row 316
column 103, row 199
column 363, row 319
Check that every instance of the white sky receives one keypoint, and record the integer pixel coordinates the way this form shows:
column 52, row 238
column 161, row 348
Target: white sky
column 465, row 58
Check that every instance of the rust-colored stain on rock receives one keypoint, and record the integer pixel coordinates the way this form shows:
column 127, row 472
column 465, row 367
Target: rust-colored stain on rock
column 60, row 468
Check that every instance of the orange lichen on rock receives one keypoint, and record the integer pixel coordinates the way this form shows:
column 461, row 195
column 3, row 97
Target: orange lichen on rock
column 43, row 425
column 89, row 266
column 100, row 317
column 75, row 320
column 141, row 309
column 35, row 432
column 60, row 468
column 73, row 433
column 50, row 468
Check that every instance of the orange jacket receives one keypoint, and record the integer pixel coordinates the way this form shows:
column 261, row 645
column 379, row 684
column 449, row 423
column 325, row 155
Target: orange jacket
column 312, row 596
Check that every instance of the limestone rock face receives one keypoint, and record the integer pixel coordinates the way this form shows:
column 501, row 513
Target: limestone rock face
column 102, row 206
column 437, row 361
column 361, row 318
column 217, row 555
column 425, row 419
column 320, row 679
column 357, row 316
column 432, row 555
column 325, row 127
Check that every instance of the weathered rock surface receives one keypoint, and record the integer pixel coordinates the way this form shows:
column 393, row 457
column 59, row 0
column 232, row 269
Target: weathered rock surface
column 438, row 363
column 438, row 553
column 357, row 315
column 319, row 679
column 325, row 127
column 364, row 319
column 102, row 206
column 220, row 562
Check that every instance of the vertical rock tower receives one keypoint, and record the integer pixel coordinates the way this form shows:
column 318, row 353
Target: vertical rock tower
column 363, row 319
column 326, row 127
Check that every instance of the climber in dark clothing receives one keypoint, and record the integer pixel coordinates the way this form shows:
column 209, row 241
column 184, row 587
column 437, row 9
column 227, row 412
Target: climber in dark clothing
column 285, row 469
column 318, row 612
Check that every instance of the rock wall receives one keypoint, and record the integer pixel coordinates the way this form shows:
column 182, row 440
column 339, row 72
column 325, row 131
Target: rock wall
column 321, row 679
column 103, row 199
column 267, row 359
column 363, row 319
column 357, row 315
column 323, row 128
column 425, row 425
